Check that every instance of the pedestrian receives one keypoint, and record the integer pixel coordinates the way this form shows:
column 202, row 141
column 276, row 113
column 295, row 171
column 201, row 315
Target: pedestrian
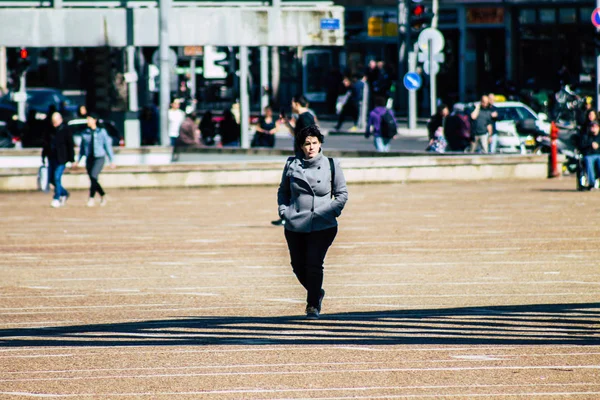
column 382, row 125
column 58, row 150
column 229, row 129
column 149, row 125
column 482, row 125
column 437, row 120
column 494, row 137
column 96, row 145
column 590, row 117
column 589, row 146
column 350, row 106
column 303, row 119
column 189, row 133
column 208, row 128
column 175, row 116
column 265, row 130
column 302, row 116
column 82, row 111
column 311, row 196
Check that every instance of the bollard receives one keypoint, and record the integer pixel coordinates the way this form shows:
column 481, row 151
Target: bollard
column 553, row 158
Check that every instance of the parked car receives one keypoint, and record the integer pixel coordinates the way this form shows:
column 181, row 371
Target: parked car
column 529, row 124
column 39, row 101
column 78, row 125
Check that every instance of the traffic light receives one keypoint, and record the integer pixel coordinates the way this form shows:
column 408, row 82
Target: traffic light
column 420, row 17
column 23, row 62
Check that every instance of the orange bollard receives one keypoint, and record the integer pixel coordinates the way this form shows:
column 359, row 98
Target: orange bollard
column 553, row 171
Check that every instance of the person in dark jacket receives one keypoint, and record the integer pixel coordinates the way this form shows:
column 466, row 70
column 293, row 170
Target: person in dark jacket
column 305, row 202
column 207, row 129
column 590, row 149
column 351, row 106
column 59, row 150
column 229, row 130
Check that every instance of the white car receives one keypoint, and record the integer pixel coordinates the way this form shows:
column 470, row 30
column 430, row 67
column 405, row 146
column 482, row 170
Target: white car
column 527, row 121
column 508, row 139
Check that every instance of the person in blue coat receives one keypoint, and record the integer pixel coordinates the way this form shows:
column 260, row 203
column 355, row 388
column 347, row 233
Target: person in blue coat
column 96, row 145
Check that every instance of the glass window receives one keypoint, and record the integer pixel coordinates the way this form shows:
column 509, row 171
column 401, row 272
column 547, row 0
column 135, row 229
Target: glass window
column 585, row 14
column 527, row 16
column 548, row 16
column 567, row 16
column 524, row 113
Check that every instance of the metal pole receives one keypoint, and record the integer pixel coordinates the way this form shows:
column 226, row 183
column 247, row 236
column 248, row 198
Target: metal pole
column 403, row 27
column 435, row 5
column 264, row 77
column 412, row 94
column 3, row 70
column 22, row 98
column 432, row 80
column 132, row 123
column 164, row 67
column 193, row 80
column 364, row 108
column 244, row 98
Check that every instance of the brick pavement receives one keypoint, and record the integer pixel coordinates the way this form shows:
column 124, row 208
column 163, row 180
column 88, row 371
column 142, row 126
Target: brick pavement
column 434, row 290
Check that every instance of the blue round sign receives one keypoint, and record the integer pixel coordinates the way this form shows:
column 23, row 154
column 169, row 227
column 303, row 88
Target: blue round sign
column 596, row 17
column 412, row 81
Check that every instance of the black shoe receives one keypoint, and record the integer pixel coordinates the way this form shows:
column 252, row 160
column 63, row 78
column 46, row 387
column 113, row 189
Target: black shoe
column 278, row 222
column 321, row 299
column 312, row 313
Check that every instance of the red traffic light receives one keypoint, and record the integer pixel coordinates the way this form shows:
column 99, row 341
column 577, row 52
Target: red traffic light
column 23, row 54
column 418, row 10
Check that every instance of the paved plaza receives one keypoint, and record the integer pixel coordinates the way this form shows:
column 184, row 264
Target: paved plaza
column 434, row 290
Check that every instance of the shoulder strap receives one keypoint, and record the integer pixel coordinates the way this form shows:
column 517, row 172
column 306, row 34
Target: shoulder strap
column 332, row 168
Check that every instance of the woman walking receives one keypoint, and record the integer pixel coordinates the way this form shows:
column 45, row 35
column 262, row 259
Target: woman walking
column 96, row 144
column 308, row 182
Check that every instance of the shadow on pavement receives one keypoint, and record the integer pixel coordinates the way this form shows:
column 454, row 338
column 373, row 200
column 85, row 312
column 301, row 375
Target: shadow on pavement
column 538, row 324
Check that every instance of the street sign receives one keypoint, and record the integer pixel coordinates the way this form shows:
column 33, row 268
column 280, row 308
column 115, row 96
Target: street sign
column 596, row 17
column 412, row 81
column 193, row 51
column 172, row 58
column 330, row 24
column 436, row 68
column 423, row 57
column 435, row 36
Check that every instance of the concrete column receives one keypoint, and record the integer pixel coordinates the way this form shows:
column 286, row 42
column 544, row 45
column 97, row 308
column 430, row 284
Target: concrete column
column 132, row 123
column 3, row 70
column 244, row 98
column 264, row 77
column 508, row 47
column 193, row 80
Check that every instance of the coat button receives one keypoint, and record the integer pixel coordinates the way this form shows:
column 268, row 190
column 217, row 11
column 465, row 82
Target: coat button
column 318, row 167
column 318, row 181
column 312, row 209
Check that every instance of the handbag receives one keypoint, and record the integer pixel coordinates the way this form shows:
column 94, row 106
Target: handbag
column 43, row 183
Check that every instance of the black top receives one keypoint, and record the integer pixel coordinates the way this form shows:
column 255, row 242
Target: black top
column 229, row 130
column 585, row 145
column 482, row 121
column 58, row 145
column 305, row 119
column 262, row 123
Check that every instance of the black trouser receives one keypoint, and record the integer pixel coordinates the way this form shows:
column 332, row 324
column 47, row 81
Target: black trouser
column 307, row 252
column 93, row 167
column 349, row 109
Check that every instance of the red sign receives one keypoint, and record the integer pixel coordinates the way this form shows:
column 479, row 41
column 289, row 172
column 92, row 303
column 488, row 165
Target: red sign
column 596, row 17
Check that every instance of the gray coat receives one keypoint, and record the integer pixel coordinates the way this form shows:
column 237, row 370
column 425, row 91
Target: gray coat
column 304, row 195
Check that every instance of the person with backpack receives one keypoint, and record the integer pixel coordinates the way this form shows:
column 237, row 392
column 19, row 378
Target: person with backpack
column 310, row 198
column 382, row 125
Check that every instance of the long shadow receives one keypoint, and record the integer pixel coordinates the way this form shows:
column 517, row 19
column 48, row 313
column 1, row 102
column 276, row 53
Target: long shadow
column 536, row 324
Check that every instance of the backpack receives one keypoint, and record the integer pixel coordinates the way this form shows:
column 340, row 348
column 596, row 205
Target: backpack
column 388, row 126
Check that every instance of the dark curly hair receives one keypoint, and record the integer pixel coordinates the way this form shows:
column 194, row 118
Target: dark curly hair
column 311, row 130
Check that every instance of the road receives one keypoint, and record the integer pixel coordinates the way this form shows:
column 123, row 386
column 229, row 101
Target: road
column 458, row 289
